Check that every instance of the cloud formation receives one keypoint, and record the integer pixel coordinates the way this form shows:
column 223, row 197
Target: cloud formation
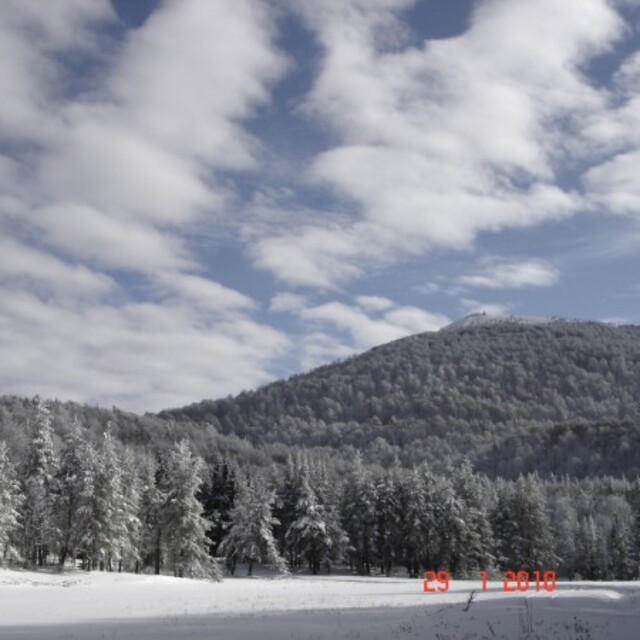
column 104, row 177
column 500, row 274
column 440, row 142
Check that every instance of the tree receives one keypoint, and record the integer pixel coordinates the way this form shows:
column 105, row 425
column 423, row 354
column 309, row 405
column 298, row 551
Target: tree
column 70, row 518
column 39, row 532
column 250, row 537
column 308, row 532
column 152, row 499
column 11, row 499
column 106, row 505
column 389, row 520
column 217, row 496
column 359, row 516
column 186, row 528
column 532, row 541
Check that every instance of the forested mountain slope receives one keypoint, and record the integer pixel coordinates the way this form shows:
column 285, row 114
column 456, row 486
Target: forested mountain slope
column 506, row 394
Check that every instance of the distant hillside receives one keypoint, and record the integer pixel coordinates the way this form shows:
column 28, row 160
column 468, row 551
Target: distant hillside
column 499, row 392
column 512, row 394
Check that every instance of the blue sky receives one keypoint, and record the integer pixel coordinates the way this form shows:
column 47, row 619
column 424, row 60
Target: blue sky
column 198, row 197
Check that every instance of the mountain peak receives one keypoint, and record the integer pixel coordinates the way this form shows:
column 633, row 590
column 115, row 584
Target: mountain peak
column 483, row 319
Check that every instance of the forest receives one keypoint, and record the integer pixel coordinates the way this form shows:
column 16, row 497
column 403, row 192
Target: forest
column 486, row 448
column 117, row 507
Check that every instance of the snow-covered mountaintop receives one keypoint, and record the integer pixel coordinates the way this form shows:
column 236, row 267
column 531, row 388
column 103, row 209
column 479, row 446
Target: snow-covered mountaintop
column 483, row 319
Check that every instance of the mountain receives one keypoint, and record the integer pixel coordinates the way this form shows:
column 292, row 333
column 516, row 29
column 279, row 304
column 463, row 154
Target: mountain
column 511, row 393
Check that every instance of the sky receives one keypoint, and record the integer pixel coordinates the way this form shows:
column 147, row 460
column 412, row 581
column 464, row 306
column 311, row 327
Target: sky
column 200, row 196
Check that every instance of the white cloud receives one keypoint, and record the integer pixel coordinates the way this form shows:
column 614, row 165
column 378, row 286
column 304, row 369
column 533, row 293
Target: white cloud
column 22, row 265
column 285, row 302
column 143, row 356
column 365, row 331
column 202, row 292
column 614, row 184
column 500, row 274
column 109, row 174
column 444, row 141
column 374, row 303
column 89, row 234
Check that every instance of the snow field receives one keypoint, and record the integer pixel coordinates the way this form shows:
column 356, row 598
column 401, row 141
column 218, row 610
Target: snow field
column 39, row 606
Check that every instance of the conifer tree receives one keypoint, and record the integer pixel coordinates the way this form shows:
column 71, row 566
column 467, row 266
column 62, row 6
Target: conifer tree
column 308, row 532
column 152, row 499
column 588, row 561
column 106, row 506
column 532, row 542
column 250, row 538
column 39, row 531
column 478, row 536
column 70, row 518
column 389, row 520
column 217, row 496
column 186, row 528
column 620, row 547
column 415, row 521
column 359, row 517
column 10, row 501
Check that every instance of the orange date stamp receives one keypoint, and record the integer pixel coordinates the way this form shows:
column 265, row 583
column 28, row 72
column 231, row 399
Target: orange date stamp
column 513, row 581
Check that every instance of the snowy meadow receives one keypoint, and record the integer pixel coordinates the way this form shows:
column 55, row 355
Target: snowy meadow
column 39, row 606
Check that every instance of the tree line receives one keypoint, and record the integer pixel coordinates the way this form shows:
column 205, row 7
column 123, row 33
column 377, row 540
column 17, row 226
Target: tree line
column 115, row 507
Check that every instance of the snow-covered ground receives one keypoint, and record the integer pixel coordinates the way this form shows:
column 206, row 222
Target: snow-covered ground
column 83, row 606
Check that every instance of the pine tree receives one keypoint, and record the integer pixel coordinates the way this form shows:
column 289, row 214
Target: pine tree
column 71, row 524
column 533, row 541
column 217, row 496
column 186, row 528
column 105, row 504
column 131, row 531
column 588, row 547
column 11, row 498
column 250, row 537
column 359, row 517
column 389, row 520
column 415, row 522
column 308, row 532
column 152, row 499
column 621, row 565
column 285, row 504
column 39, row 531
column 478, row 536
column 505, row 527
column 452, row 528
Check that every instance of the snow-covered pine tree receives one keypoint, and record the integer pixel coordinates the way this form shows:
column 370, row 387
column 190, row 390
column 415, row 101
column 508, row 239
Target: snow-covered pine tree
column 152, row 499
column 250, row 538
column 284, row 506
column 621, row 564
column 217, row 496
column 329, row 493
column 70, row 518
column 389, row 520
column 415, row 523
column 359, row 516
column 308, row 531
column 533, row 541
column 131, row 532
column 11, row 498
column 186, row 528
column 504, row 526
column 105, row 504
column 478, row 543
column 588, row 546
column 39, row 531
column 452, row 528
